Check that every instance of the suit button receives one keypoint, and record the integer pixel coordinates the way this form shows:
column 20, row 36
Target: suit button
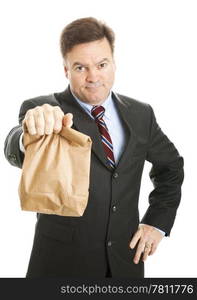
column 109, row 243
column 115, row 175
column 114, row 208
column 12, row 157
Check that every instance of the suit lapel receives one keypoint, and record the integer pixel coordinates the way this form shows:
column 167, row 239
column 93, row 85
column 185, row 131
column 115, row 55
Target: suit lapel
column 83, row 123
column 131, row 138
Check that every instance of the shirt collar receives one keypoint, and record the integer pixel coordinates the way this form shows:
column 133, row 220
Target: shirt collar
column 88, row 107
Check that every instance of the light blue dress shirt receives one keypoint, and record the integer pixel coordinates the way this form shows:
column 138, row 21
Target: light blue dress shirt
column 113, row 123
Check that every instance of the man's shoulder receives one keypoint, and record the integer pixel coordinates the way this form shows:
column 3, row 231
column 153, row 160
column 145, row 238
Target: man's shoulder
column 43, row 99
column 31, row 103
column 140, row 114
column 132, row 103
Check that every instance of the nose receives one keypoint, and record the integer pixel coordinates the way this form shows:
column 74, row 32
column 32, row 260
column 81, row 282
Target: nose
column 92, row 75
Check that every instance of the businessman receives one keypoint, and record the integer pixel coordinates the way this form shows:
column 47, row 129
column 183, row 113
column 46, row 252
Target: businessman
column 109, row 240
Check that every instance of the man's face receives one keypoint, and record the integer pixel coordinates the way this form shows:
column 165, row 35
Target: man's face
column 90, row 69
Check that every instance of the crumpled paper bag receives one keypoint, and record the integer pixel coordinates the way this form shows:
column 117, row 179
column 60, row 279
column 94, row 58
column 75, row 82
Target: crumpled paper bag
column 55, row 173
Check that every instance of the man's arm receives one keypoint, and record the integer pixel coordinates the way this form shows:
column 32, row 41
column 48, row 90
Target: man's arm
column 167, row 177
column 41, row 116
column 11, row 147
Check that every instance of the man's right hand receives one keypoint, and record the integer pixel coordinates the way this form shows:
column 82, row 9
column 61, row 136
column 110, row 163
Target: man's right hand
column 46, row 119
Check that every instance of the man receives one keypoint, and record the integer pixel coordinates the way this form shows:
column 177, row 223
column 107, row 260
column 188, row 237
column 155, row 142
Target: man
column 108, row 240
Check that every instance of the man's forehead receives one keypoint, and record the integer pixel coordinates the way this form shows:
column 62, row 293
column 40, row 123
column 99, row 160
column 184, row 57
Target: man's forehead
column 98, row 46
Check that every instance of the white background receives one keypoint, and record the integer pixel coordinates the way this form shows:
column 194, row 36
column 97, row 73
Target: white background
column 156, row 55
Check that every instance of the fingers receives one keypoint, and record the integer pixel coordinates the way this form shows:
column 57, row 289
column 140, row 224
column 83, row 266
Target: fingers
column 147, row 239
column 135, row 238
column 139, row 252
column 29, row 122
column 58, row 117
column 143, row 250
column 147, row 250
column 39, row 125
column 68, row 120
column 48, row 121
column 45, row 119
column 153, row 249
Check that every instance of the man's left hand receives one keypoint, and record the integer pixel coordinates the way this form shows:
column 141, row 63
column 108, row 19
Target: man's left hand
column 147, row 237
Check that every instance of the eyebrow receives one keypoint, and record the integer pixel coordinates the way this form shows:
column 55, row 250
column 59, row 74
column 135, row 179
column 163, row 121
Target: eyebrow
column 84, row 65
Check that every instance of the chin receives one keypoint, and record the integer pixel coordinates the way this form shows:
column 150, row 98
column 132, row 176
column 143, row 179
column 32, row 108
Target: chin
column 96, row 97
column 94, row 100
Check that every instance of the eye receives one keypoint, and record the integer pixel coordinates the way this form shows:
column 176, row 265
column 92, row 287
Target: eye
column 80, row 68
column 102, row 65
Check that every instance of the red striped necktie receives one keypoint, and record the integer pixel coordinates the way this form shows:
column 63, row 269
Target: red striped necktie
column 98, row 112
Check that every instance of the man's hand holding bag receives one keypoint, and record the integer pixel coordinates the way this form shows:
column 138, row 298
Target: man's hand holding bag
column 55, row 173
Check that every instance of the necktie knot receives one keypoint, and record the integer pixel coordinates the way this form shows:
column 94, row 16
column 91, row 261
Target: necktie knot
column 98, row 112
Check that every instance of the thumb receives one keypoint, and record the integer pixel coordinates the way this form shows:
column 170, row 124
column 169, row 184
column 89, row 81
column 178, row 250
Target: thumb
column 68, row 120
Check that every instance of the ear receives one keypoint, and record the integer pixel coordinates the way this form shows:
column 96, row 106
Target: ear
column 66, row 71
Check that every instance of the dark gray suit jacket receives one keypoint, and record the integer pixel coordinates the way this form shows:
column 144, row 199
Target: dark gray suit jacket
column 82, row 246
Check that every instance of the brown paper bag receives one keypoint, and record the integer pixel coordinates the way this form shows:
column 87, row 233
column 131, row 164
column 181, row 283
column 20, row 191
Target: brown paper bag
column 55, row 173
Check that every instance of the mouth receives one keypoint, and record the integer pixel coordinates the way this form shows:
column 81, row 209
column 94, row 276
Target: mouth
column 93, row 85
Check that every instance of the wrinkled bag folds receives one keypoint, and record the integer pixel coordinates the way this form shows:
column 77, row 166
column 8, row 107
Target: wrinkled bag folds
column 55, row 173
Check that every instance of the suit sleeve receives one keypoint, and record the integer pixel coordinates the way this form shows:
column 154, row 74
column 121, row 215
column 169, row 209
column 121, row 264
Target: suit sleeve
column 166, row 175
column 11, row 147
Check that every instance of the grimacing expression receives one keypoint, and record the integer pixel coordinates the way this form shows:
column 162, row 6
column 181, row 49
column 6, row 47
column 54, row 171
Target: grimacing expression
column 90, row 69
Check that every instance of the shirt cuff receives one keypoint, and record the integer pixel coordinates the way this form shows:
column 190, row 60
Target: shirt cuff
column 21, row 146
column 161, row 231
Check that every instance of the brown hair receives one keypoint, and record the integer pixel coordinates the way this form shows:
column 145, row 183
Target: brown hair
column 85, row 30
